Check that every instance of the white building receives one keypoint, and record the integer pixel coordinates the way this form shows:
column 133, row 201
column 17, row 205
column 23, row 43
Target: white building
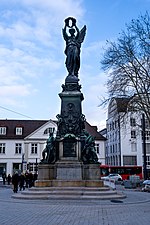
column 22, row 143
column 124, row 135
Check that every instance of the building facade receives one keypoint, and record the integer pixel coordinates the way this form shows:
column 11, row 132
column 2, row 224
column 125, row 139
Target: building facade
column 124, row 145
column 22, row 143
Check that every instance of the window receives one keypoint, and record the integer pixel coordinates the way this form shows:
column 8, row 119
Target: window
column 129, row 160
column 32, row 167
column 116, row 148
column 147, row 148
column 111, row 149
column 147, row 135
column 18, row 130
column 49, row 130
column 33, row 148
column 132, row 122
column 2, row 148
column 97, row 148
column 2, row 130
column 133, row 147
column 133, row 134
column 17, row 167
column 18, row 148
column 147, row 124
column 148, row 160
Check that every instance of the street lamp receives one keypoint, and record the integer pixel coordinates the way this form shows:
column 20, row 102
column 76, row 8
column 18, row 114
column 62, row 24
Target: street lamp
column 144, row 146
column 22, row 162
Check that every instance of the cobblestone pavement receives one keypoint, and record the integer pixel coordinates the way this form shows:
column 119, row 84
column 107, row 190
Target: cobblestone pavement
column 134, row 210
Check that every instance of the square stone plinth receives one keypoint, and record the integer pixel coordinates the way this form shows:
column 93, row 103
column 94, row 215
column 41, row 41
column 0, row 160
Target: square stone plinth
column 46, row 172
column 69, row 170
column 91, row 172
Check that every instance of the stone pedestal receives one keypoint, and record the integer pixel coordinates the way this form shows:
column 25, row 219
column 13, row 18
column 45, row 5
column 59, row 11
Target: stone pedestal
column 69, row 170
column 46, row 172
column 91, row 172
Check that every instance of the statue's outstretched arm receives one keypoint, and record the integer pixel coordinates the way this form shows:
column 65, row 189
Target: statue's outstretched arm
column 65, row 33
column 78, row 32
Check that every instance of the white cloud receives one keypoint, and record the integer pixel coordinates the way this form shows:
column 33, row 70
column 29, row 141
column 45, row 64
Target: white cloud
column 61, row 6
column 95, row 48
column 15, row 90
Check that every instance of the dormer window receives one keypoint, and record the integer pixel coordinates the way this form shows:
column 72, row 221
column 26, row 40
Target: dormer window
column 2, row 130
column 49, row 130
column 18, row 130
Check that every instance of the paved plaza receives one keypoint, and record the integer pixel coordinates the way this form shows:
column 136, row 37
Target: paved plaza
column 134, row 210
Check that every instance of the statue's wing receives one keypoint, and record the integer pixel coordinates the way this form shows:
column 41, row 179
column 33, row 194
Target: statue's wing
column 82, row 34
column 65, row 34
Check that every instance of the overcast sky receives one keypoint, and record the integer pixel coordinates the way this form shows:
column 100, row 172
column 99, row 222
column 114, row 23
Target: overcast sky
column 32, row 60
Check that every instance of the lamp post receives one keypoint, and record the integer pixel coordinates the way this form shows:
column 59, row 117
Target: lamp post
column 144, row 146
column 36, row 166
column 22, row 162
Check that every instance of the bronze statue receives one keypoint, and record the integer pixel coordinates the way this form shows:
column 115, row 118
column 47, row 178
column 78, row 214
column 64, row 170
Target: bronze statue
column 49, row 153
column 88, row 154
column 73, row 45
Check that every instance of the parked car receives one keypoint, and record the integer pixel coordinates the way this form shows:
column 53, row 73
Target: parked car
column 146, row 184
column 113, row 176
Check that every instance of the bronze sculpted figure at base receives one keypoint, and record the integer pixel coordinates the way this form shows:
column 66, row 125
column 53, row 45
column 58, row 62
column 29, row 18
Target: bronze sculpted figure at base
column 49, row 153
column 88, row 154
column 73, row 45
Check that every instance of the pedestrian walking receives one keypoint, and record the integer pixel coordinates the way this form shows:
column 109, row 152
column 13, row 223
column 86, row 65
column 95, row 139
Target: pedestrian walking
column 15, row 180
column 27, row 179
column 8, row 179
column 4, row 177
column 22, row 181
column 30, row 180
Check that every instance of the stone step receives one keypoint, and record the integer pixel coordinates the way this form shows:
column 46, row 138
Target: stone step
column 105, row 188
column 67, row 190
column 68, row 197
column 71, row 192
column 69, row 183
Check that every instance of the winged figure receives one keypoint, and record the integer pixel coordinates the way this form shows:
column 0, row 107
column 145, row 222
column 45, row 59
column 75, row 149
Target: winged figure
column 73, row 45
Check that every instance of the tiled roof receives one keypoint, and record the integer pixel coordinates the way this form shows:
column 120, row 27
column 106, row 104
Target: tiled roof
column 122, row 104
column 92, row 131
column 30, row 126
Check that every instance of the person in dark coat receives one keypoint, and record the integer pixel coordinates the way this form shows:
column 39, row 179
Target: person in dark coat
column 27, row 179
column 4, row 177
column 15, row 180
column 30, row 180
column 8, row 179
column 22, row 182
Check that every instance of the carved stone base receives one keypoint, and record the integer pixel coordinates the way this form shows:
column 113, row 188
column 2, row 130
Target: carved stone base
column 69, row 170
column 66, row 183
column 91, row 172
column 46, row 172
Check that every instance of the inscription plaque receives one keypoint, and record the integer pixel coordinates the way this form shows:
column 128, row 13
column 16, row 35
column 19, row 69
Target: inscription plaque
column 69, row 148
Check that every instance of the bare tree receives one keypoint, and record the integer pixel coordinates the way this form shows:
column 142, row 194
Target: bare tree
column 127, row 60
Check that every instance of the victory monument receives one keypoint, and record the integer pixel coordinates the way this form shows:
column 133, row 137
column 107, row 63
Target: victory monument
column 69, row 168
column 71, row 156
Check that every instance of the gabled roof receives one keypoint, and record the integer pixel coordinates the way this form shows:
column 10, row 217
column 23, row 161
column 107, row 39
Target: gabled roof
column 122, row 104
column 29, row 126
column 92, row 131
